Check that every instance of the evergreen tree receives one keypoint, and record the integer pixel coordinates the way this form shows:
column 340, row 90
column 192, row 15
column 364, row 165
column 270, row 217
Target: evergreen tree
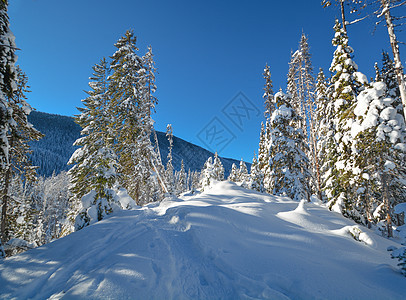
column 346, row 84
column 243, row 175
column 130, row 89
column 20, row 134
column 268, row 92
column 256, row 176
column 207, row 174
column 170, row 180
column 218, row 168
column 293, row 84
column 8, row 86
column 181, row 184
column 289, row 164
column 388, row 76
column 95, row 162
column 263, row 151
column 233, row 177
column 380, row 154
column 325, row 129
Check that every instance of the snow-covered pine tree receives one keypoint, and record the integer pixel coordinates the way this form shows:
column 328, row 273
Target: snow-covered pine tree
column 7, row 89
column 379, row 134
column 325, row 130
column 181, row 178
column 131, row 106
column 256, row 176
column 207, row 174
column 194, row 180
column 268, row 93
column 94, row 163
column 388, row 76
column 263, row 150
column 170, row 179
column 233, row 176
column 307, row 84
column 346, row 84
column 243, row 176
column 218, row 168
column 21, row 133
column 292, row 84
column 386, row 11
column 289, row 164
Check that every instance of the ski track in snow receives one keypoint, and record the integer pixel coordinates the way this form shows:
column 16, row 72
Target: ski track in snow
column 226, row 243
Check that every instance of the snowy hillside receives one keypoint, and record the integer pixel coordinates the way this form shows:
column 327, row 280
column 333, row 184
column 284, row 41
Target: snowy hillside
column 53, row 151
column 226, row 243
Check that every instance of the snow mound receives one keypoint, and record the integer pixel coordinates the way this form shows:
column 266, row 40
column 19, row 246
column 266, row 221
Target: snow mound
column 225, row 243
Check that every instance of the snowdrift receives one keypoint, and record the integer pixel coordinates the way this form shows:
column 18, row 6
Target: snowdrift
column 225, row 243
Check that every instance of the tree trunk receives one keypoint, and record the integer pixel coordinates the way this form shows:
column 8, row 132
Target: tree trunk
column 396, row 55
column 5, row 203
column 385, row 195
column 343, row 15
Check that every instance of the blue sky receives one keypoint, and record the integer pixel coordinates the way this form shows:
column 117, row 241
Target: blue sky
column 210, row 56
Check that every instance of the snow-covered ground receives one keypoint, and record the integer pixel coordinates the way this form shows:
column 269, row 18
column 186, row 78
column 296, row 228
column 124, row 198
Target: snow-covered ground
column 225, row 243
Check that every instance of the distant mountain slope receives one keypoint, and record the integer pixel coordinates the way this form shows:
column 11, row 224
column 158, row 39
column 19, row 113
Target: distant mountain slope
column 52, row 152
column 225, row 243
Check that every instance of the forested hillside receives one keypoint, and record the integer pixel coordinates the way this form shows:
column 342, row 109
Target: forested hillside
column 52, row 152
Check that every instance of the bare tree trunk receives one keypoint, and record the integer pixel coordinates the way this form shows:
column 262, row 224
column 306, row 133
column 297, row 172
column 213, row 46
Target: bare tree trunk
column 343, row 15
column 395, row 49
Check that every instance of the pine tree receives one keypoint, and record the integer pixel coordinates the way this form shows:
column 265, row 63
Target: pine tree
column 263, row 151
column 289, row 164
column 95, row 162
column 181, row 178
column 233, row 177
column 346, row 84
column 7, row 89
column 388, row 76
column 325, row 129
column 380, row 153
column 268, row 93
column 20, row 134
column 256, row 176
column 293, row 87
column 170, row 180
column 218, row 168
column 243, row 175
column 207, row 174
column 130, row 89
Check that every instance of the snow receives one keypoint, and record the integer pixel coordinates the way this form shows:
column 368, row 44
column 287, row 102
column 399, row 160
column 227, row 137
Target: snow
column 401, row 207
column 360, row 77
column 224, row 243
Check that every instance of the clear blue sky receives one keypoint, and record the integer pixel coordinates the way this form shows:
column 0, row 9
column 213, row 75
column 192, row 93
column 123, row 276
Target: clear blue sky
column 210, row 56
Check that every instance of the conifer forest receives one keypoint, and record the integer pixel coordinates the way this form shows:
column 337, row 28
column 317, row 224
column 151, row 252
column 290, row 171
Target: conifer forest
column 332, row 139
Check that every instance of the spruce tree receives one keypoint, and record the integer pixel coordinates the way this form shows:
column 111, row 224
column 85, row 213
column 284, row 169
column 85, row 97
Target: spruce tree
column 268, row 93
column 7, row 89
column 170, row 180
column 243, row 175
column 325, row 129
column 95, row 162
column 218, row 168
column 233, row 177
column 130, row 89
column 207, row 174
column 346, row 84
column 20, row 134
column 289, row 164
column 181, row 179
column 380, row 154
column 256, row 176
